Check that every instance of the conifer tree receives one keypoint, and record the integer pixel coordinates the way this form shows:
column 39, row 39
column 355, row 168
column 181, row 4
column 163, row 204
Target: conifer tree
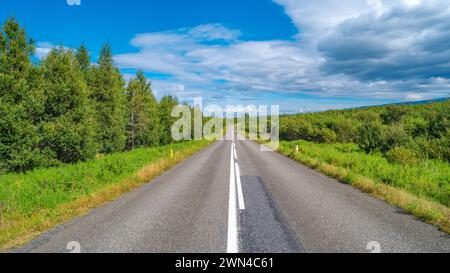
column 143, row 125
column 107, row 92
column 20, row 101
column 83, row 58
column 68, row 125
column 166, row 120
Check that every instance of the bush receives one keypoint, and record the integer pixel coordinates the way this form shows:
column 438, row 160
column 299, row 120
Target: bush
column 394, row 136
column 393, row 114
column 367, row 116
column 293, row 129
column 402, row 156
column 288, row 129
column 370, row 136
column 325, row 135
column 438, row 121
column 345, row 130
column 416, row 126
column 440, row 148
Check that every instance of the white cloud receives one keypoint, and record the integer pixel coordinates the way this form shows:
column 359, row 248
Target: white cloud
column 412, row 3
column 342, row 50
column 43, row 48
column 238, row 66
column 73, row 2
column 414, row 97
column 316, row 18
column 211, row 32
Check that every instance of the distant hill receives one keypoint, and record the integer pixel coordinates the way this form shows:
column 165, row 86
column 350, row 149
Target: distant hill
column 420, row 102
column 307, row 111
column 408, row 103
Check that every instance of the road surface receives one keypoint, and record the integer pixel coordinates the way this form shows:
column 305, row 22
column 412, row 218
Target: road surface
column 231, row 197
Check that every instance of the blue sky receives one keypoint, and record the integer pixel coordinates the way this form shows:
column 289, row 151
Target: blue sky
column 303, row 55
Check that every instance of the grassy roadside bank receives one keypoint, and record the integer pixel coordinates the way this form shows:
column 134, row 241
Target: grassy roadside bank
column 422, row 190
column 35, row 202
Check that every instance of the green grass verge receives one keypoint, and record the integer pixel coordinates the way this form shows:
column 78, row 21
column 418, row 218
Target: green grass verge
column 36, row 201
column 422, row 190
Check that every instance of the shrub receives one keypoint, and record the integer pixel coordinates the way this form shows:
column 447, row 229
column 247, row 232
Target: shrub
column 438, row 121
column 345, row 130
column 393, row 114
column 370, row 136
column 401, row 156
column 416, row 126
column 325, row 135
column 440, row 148
column 394, row 136
column 293, row 129
column 367, row 116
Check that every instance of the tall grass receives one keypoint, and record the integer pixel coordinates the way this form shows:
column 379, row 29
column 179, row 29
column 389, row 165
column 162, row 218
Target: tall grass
column 422, row 189
column 33, row 202
column 430, row 178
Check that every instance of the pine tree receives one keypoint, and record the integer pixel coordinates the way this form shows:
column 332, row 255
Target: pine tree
column 166, row 120
column 67, row 127
column 15, row 52
column 143, row 125
column 83, row 58
column 20, row 100
column 107, row 90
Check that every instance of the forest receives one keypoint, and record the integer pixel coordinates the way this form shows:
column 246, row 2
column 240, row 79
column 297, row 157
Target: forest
column 65, row 109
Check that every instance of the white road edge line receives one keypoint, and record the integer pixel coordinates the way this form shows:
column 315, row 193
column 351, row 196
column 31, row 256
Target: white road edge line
column 232, row 241
column 239, row 187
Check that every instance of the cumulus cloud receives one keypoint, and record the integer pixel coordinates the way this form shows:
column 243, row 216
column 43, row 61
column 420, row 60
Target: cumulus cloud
column 397, row 49
column 211, row 32
column 390, row 48
column 316, row 18
column 405, row 41
column 43, row 48
column 235, row 66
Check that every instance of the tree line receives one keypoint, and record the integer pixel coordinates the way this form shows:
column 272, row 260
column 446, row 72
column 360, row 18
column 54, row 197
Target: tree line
column 64, row 109
column 402, row 133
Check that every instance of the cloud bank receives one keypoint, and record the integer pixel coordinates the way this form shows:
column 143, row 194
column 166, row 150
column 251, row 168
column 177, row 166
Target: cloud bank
column 397, row 50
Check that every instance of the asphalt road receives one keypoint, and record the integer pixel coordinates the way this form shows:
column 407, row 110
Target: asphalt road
column 231, row 197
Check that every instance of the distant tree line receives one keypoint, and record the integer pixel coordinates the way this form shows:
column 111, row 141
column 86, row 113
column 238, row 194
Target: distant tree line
column 403, row 133
column 66, row 109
